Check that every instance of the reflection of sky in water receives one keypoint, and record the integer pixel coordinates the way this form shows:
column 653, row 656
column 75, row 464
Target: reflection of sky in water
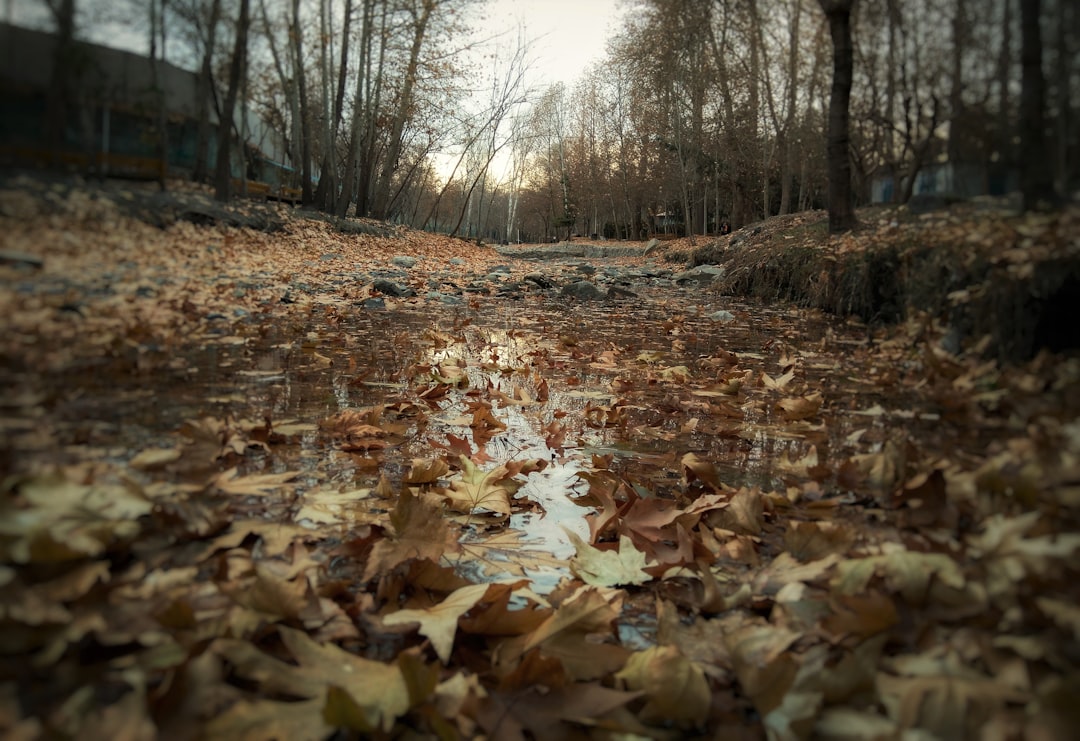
column 541, row 531
column 366, row 358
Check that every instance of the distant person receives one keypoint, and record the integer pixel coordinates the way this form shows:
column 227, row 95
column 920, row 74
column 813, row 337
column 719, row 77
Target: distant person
column 725, row 228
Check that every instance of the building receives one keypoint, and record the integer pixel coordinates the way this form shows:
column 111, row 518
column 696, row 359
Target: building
column 113, row 129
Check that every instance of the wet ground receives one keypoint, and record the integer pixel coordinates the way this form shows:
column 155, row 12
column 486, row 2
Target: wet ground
column 225, row 452
column 630, row 386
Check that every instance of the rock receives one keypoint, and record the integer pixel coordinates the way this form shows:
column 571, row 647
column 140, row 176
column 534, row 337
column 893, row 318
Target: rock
column 584, row 290
column 612, row 250
column 505, row 269
column 329, row 256
column 538, row 279
column 403, row 261
column 446, row 299
column 723, row 316
column 952, row 341
column 617, row 292
column 20, row 258
column 456, row 261
column 652, row 246
column 585, row 269
column 494, row 277
column 390, row 288
column 373, row 303
column 700, row 274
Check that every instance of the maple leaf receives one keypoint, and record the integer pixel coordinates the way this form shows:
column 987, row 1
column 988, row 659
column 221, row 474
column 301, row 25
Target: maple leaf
column 494, row 616
column 51, row 518
column 603, row 486
column 809, row 541
column 426, row 470
column 675, row 687
column 745, row 513
column 488, row 490
column 942, row 695
column 907, row 572
column 675, row 374
column 155, row 458
column 608, row 568
column 420, row 531
column 568, row 634
column 557, row 713
column 695, row 468
column 379, row 691
column 801, row 407
column 650, row 520
column 256, row 484
column 1010, row 554
column 328, row 507
column 484, row 424
column 439, row 623
column 777, row 383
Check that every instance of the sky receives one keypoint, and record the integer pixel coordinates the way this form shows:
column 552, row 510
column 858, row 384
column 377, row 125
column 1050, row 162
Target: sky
column 566, row 35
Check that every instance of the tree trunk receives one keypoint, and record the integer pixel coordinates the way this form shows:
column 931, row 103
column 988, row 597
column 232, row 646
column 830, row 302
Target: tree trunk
column 1066, row 62
column 157, row 26
column 302, row 105
column 58, row 101
column 404, row 112
column 327, row 189
column 325, row 139
column 1036, row 177
column 787, row 151
column 841, row 202
column 205, row 93
column 223, row 170
column 960, row 25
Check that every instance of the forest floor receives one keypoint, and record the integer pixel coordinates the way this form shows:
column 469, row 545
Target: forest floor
column 272, row 476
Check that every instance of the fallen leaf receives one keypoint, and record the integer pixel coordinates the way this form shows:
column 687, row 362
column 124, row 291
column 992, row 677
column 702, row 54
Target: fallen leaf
column 253, row 485
column 439, row 623
column 378, row 690
column 675, row 687
column 608, row 568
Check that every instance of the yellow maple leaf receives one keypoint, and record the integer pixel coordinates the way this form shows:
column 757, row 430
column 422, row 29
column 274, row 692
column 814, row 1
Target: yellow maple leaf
column 439, row 623
column 487, row 490
column 675, row 687
column 378, row 690
column 608, row 568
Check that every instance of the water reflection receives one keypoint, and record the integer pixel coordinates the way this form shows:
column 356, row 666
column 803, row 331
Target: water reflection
column 315, row 365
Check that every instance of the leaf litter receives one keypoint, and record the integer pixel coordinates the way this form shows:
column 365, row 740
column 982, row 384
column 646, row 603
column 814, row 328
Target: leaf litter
column 263, row 509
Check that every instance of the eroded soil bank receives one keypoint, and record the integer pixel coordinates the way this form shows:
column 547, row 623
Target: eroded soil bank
column 1006, row 285
column 307, row 481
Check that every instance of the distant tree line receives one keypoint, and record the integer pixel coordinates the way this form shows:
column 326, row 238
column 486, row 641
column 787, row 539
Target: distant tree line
column 702, row 111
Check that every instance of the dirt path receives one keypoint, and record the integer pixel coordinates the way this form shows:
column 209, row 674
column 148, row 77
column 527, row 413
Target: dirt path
column 247, row 493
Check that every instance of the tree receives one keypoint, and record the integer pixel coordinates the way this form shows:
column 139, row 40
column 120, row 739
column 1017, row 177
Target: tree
column 1036, row 174
column 60, row 97
column 420, row 18
column 841, row 200
column 204, row 87
column 223, row 170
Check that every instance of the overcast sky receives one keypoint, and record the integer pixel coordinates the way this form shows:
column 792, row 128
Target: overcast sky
column 567, row 34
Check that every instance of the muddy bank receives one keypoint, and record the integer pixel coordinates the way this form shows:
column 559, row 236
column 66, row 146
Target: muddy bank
column 1005, row 284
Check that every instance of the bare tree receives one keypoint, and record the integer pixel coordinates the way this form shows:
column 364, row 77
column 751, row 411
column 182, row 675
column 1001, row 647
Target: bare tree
column 223, row 170
column 204, row 87
column 1036, row 178
column 841, row 200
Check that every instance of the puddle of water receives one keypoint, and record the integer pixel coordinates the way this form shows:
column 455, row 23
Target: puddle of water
column 313, row 367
